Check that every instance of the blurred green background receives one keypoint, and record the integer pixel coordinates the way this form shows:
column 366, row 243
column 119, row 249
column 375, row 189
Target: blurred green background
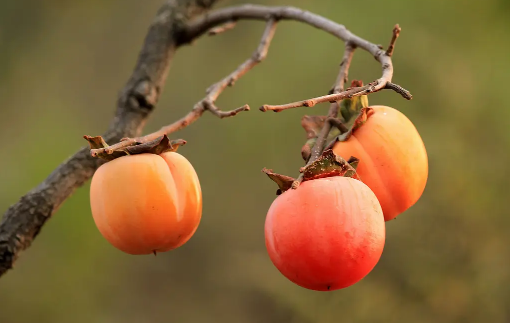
column 446, row 259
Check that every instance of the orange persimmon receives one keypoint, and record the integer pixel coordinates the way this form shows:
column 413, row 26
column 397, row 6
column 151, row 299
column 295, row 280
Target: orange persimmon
column 393, row 159
column 327, row 234
column 146, row 203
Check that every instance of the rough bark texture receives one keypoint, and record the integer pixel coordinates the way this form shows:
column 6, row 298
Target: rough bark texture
column 23, row 220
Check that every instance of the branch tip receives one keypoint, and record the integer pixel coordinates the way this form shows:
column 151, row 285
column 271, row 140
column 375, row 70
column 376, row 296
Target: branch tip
column 400, row 90
column 391, row 47
column 223, row 28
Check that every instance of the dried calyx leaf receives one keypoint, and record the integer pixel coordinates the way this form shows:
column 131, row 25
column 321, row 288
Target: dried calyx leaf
column 158, row 146
column 97, row 143
column 284, row 182
column 330, row 164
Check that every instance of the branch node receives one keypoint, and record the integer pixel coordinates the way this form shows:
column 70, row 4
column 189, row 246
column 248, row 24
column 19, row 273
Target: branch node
column 309, row 103
column 145, row 94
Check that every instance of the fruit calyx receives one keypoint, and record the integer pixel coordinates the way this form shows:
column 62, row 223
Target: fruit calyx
column 157, row 146
column 327, row 165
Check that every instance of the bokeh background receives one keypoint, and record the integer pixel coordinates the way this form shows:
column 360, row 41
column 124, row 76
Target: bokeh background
column 447, row 259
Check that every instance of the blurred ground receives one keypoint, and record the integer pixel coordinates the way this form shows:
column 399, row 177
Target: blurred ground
column 446, row 259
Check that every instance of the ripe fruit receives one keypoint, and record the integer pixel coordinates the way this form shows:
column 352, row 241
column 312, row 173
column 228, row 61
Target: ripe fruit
column 393, row 159
column 146, row 203
column 327, row 234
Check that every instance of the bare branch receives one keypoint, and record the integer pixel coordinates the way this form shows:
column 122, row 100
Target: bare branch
column 256, row 12
column 343, row 74
column 391, row 47
column 258, row 56
column 207, row 103
column 350, row 93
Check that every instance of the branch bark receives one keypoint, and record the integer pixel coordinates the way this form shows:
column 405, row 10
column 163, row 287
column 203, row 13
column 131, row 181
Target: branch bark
column 23, row 221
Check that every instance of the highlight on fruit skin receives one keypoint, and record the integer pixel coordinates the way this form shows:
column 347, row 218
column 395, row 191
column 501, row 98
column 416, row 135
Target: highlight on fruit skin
column 393, row 159
column 146, row 203
column 327, row 234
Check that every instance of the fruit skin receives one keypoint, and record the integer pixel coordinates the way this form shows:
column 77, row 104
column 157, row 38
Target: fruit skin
column 327, row 234
column 393, row 159
column 146, row 203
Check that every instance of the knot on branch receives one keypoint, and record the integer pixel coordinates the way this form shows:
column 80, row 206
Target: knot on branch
column 144, row 94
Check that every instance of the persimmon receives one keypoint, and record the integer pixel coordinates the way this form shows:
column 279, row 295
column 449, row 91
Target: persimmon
column 327, row 234
column 392, row 158
column 146, row 203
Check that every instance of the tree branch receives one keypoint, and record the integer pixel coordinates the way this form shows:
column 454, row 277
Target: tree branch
column 22, row 221
column 256, row 12
column 207, row 103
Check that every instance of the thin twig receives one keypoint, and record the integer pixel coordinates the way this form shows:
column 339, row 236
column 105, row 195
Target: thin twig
column 400, row 90
column 343, row 74
column 341, row 79
column 207, row 103
column 223, row 28
column 391, row 47
column 256, row 12
column 352, row 92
